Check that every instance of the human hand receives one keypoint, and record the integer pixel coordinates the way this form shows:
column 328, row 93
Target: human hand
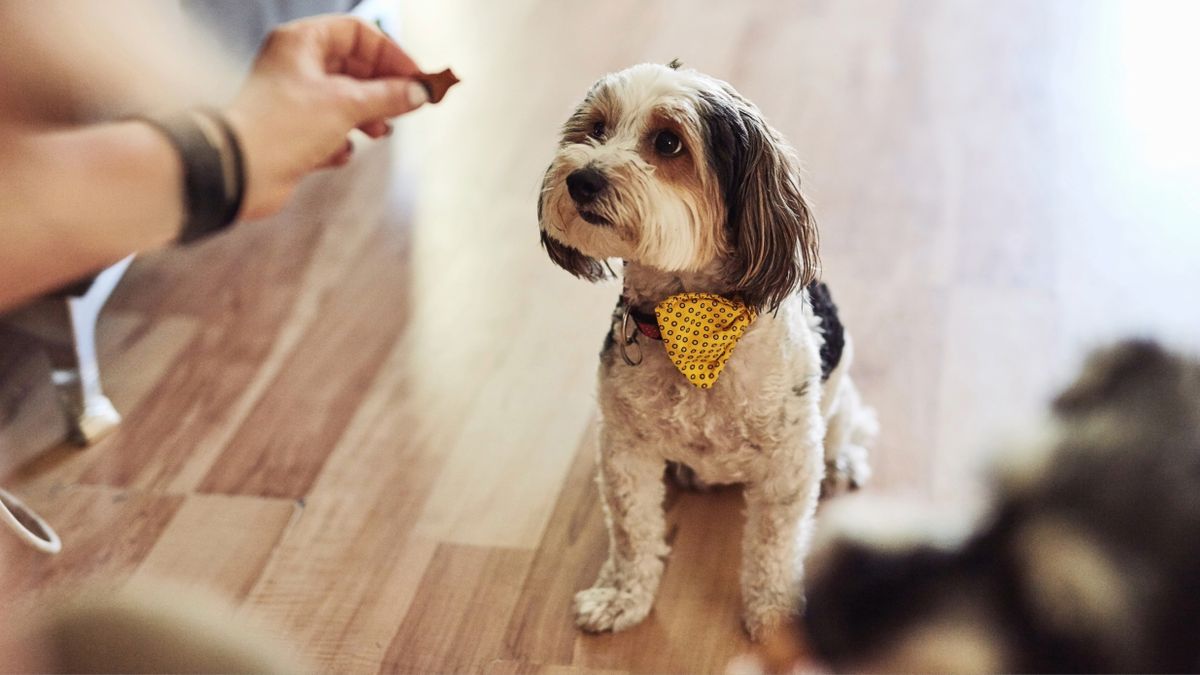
column 314, row 81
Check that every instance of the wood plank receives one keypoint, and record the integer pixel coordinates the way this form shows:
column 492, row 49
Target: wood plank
column 280, row 448
column 341, row 580
column 340, row 603
column 218, row 543
column 134, row 362
column 451, row 624
column 518, row 668
column 695, row 626
column 350, row 201
column 190, row 404
column 492, row 461
column 541, row 629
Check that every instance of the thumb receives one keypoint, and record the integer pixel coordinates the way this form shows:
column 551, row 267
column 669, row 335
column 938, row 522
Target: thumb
column 387, row 97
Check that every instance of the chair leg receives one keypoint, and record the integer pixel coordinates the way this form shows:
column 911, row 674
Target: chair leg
column 90, row 414
column 76, row 375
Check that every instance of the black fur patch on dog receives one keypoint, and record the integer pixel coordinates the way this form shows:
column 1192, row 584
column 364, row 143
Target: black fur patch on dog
column 831, row 327
column 610, row 341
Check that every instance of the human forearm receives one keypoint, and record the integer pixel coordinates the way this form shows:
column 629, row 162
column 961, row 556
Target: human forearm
column 74, row 201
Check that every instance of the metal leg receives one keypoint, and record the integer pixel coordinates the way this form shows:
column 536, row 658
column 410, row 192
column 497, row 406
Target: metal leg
column 89, row 412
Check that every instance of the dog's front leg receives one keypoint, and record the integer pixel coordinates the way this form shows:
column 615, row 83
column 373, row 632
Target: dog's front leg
column 779, row 518
column 631, row 489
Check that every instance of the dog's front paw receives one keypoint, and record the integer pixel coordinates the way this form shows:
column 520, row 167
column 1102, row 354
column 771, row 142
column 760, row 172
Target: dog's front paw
column 606, row 608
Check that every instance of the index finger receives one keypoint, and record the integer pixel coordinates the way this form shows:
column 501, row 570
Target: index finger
column 356, row 48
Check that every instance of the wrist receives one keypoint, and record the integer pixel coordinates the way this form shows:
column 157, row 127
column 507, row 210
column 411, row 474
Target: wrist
column 255, row 203
column 213, row 178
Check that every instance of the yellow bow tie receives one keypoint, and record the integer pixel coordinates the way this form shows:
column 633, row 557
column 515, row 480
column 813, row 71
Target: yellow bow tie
column 700, row 331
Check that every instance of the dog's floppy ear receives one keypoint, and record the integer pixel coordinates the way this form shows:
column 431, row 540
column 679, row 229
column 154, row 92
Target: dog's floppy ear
column 566, row 257
column 770, row 226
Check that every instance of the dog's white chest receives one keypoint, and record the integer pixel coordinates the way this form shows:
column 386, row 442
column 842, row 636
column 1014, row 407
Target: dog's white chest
column 722, row 433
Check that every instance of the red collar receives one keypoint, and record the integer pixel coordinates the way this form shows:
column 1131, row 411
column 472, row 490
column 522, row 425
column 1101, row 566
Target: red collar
column 646, row 323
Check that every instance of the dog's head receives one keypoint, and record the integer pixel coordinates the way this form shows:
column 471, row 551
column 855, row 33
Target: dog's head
column 674, row 170
column 1079, row 566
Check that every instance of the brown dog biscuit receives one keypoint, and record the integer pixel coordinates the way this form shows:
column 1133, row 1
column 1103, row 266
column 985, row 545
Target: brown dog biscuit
column 436, row 84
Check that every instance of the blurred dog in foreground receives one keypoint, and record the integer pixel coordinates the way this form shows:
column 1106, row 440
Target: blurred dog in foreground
column 1088, row 560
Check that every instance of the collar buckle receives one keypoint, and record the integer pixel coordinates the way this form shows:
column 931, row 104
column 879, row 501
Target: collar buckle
column 629, row 337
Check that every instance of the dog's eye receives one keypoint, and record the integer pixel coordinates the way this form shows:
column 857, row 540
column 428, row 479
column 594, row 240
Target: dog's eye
column 667, row 144
column 597, row 131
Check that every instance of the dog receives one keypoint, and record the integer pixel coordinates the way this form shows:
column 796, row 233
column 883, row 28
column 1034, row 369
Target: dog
column 681, row 178
column 1086, row 561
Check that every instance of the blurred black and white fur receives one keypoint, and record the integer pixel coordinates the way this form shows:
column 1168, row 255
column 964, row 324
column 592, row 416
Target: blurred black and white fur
column 678, row 176
column 1087, row 561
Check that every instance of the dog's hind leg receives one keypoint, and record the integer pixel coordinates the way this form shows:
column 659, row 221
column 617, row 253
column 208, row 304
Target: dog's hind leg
column 850, row 428
column 632, row 490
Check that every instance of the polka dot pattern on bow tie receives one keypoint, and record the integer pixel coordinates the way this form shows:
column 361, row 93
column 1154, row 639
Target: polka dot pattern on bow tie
column 700, row 331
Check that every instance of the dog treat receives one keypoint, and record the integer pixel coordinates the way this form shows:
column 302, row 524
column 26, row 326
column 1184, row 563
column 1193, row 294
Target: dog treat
column 437, row 84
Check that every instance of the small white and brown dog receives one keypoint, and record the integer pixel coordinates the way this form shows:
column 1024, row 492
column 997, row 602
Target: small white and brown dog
column 676, row 174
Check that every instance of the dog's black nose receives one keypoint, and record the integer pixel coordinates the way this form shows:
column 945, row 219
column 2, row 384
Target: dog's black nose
column 586, row 184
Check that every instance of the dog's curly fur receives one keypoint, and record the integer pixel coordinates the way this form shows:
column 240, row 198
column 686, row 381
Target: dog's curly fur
column 720, row 211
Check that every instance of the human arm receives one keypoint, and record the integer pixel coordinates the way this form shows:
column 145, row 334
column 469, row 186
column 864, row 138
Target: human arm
column 77, row 199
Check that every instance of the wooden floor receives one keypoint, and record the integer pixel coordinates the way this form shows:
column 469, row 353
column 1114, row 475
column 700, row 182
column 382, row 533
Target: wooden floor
column 368, row 423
